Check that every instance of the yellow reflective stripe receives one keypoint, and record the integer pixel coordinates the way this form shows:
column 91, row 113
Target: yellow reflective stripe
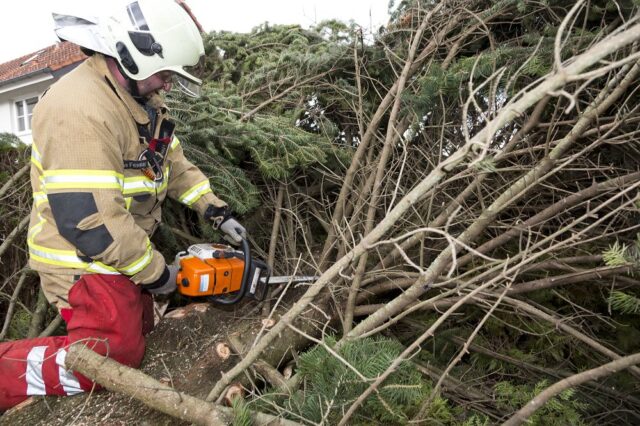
column 127, row 202
column 33, row 231
column 36, row 158
column 165, row 181
column 137, row 184
column 174, row 143
column 58, row 260
column 66, row 179
column 69, row 258
column 66, row 258
column 194, row 193
column 101, row 268
column 139, row 264
column 45, row 259
column 39, row 198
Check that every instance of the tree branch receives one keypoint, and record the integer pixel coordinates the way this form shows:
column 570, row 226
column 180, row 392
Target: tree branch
column 595, row 373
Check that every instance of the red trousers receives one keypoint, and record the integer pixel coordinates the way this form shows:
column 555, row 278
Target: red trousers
column 106, row 312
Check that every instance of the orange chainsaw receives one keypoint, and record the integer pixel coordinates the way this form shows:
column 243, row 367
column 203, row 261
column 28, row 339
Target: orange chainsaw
column 224, row 274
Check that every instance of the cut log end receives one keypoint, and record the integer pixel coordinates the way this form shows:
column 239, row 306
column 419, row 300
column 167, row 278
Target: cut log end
column 268, row 322
column 287, row 373
column 223, row 351
column 234, row 391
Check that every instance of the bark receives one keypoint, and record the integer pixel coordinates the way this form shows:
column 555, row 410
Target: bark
column 11, row 183
column 457, row 202
column 37, row 320
column 119, row 378
column 572, row 278
column 13, row 235
column 53, row 325
column 551, row 211
column 12, row 305
column 182, row 353
column 273, row 242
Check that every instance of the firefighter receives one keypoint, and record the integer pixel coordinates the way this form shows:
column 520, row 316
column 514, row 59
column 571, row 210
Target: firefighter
column 104, row 158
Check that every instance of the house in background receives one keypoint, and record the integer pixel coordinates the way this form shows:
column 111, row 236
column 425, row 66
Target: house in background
column 25, row 79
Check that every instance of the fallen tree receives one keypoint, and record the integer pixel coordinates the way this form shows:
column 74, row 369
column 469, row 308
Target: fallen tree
column 467, row 180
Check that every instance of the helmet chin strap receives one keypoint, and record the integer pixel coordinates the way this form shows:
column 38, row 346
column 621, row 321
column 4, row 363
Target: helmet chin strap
column 132, row 86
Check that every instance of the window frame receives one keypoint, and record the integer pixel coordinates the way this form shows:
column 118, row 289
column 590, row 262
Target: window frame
column 25, row 116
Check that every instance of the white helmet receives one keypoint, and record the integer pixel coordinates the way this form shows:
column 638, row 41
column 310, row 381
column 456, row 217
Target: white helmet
column 144, row 36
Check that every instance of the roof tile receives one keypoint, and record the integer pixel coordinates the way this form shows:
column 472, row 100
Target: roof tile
column 52, row 58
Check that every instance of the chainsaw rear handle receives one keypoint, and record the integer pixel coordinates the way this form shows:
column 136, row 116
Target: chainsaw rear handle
column 224, row 300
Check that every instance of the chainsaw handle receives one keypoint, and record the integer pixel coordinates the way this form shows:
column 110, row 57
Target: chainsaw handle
column 244, row 285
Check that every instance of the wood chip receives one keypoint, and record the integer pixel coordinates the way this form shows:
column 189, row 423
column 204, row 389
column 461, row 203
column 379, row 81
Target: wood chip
column 178, row 313
column 184, row 311
column 200, row 307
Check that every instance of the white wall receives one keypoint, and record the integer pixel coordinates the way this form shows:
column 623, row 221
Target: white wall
column 11, row 93
column 5, row 117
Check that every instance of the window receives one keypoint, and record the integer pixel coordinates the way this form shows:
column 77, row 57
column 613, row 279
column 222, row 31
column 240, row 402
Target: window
column 24, row 111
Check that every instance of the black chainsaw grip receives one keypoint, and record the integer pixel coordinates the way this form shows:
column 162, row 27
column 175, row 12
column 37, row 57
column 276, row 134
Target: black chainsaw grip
column 224, row 300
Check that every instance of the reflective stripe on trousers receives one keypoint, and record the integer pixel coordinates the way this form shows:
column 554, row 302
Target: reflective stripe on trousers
column 35, row 378
column 106, row 313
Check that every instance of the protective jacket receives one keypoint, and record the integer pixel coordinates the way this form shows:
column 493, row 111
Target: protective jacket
column 101, row 166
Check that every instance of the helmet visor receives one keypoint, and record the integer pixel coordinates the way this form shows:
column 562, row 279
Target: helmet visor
column 187, row 87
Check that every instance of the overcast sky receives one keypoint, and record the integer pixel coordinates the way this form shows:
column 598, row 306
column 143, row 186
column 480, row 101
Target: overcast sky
column 26, row 25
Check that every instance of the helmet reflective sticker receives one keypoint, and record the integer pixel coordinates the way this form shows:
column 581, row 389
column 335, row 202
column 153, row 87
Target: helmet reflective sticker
column 136, row 16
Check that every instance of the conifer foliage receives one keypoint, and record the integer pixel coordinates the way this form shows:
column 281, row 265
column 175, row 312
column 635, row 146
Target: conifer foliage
column 240, row 148
column 331, row 384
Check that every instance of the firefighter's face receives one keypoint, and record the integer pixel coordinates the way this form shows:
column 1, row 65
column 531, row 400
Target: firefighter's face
column 158, row 81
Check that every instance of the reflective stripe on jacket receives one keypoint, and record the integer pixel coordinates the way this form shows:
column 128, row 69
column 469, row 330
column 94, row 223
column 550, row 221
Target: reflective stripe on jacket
column 91, row 214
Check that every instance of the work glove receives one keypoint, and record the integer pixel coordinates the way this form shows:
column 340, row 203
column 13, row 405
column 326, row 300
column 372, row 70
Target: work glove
column 166, row 284
column 233, row 230
column 221, row 219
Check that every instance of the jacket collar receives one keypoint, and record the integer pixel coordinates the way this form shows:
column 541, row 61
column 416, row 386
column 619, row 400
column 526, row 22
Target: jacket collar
column 99, row 64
